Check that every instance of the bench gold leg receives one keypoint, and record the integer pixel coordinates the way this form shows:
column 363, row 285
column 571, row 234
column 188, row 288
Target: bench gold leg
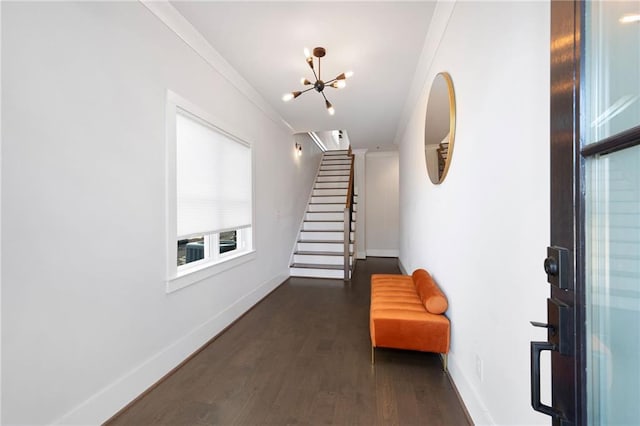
column 445, row 362
column 373, row 355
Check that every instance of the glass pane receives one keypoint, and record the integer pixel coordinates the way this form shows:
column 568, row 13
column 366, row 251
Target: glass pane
column 190, row 250
column 228, row 241
column 613, row 288
column 612, row 68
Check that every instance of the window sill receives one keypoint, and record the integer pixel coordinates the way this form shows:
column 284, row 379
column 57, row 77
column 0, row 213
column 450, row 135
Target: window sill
column 191, row 276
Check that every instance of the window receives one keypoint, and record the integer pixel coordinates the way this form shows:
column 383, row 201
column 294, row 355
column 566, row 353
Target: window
column 209, row 195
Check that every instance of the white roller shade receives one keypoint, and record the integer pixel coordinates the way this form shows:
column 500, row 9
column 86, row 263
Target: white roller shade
column 213, row 174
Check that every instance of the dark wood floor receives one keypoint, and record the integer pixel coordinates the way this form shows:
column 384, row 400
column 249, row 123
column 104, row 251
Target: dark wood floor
column 303, row 356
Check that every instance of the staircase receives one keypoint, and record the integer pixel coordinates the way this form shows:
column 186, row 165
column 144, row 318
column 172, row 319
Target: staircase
column 322, row 251
column 443, row 153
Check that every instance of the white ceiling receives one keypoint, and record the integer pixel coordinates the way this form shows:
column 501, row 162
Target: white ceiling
column 380, row 41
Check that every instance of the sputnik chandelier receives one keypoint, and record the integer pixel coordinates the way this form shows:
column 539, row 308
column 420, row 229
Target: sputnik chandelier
column 319, row 85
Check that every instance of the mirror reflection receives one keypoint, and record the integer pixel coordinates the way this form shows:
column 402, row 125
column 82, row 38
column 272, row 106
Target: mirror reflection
column 440, row 124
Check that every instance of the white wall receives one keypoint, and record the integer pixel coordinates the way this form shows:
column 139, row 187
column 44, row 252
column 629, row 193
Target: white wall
column 483, row 232
column 86, row 322
column 382, row 224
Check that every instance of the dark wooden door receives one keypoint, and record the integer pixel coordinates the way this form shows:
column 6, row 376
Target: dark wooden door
column 593, row 261
column 564, row 255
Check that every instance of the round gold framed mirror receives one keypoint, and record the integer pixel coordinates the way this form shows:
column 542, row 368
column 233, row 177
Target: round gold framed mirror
column 440, row 127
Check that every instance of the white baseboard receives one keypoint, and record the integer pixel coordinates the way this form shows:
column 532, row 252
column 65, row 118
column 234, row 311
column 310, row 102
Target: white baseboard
column 361, row 255
column 474, row 405
column 403, row 270
column 383, row 252
column 108, row 401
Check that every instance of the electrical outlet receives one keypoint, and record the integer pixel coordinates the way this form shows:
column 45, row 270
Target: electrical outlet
column 479, row 367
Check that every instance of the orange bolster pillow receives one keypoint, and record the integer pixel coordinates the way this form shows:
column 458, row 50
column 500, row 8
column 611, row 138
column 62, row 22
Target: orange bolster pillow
column 430, row 294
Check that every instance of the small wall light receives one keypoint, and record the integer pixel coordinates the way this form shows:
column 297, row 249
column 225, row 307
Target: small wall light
column 298, row 149
column 629, row 18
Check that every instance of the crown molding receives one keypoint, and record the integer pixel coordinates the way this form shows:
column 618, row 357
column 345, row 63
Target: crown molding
column 177, row 23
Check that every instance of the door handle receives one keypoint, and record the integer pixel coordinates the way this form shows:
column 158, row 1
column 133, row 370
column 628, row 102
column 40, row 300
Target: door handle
column 551, row 328
column 536, row 348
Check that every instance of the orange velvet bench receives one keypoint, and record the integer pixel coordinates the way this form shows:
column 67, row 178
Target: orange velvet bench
column 407, row 312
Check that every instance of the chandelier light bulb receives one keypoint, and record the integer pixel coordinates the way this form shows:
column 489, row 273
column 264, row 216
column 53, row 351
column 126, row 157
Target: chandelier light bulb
column 290, row 96
column 344, row 75
column 330, row 109
column 307, row 53
column 340, row 84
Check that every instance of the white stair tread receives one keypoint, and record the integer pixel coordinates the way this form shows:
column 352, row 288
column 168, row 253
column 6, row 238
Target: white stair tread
column 325, row 202
column 316, row 266
column 324, row 241
column 322, row 253
column 329, row 202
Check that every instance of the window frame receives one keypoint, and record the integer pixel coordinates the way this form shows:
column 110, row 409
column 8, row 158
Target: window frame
column 188, row 274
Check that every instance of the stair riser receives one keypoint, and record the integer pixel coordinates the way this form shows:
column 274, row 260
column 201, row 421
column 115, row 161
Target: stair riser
column 324, row 216
column 325, row 207
column 341, row 200
column 332, row 179
column 336, row 162
column 332, row 185
column 334, row 192
column 319, row 260
column 317, row 273
column 324, row 236
column 333, row 173
column 326, row 226
column 335, row 158
column 323, row 226
column 335, row 167
column 337, row 247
